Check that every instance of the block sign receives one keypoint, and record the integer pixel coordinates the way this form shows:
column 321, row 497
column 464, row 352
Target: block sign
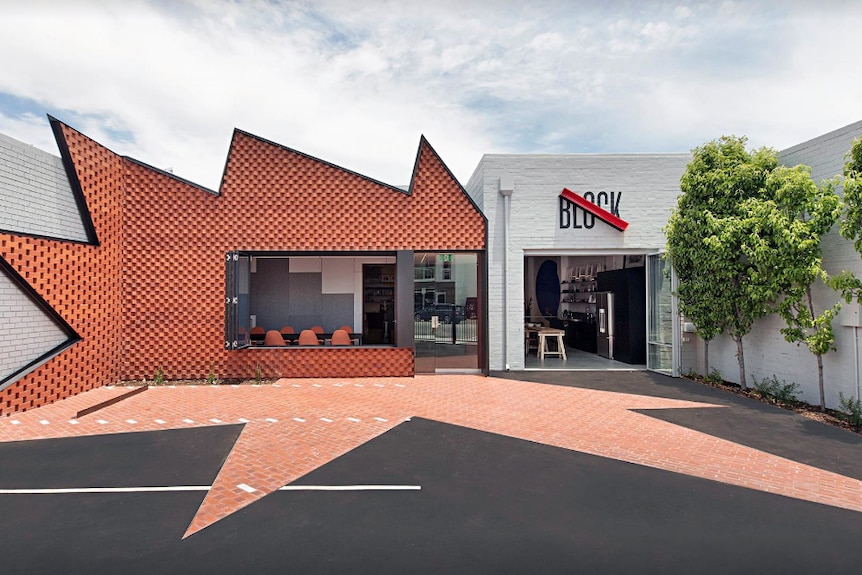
column 590, row 205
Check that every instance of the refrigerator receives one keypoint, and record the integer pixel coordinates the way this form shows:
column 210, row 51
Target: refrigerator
column 605, row 324
column 629, row 320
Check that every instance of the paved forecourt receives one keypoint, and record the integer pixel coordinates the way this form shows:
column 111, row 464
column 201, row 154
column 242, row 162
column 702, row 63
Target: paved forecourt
column 295, row 426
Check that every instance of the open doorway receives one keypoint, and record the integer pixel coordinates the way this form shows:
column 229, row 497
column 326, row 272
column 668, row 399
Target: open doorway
column 585, row 312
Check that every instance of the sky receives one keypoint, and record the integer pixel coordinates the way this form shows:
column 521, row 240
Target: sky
column 357, row 82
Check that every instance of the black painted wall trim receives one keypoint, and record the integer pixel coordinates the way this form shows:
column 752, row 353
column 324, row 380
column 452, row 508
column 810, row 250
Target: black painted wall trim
column 74, row 182
column 73, row 336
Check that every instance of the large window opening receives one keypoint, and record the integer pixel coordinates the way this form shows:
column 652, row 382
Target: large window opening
column 585, row 312
column 290, row 294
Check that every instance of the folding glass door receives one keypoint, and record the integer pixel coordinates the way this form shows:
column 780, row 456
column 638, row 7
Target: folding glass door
column 663, row 337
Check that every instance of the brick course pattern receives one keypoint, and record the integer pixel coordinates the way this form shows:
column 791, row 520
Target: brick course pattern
column 151, row 294
column 80, row 282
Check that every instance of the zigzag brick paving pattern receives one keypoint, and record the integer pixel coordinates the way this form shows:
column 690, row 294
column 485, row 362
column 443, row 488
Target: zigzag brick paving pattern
column 296, row 426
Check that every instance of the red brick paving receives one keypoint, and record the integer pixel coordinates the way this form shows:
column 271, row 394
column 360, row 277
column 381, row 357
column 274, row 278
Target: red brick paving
column 296, row 426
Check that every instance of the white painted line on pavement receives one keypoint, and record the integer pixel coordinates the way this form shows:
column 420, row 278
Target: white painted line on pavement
column 351, row 488
column 103, row 490
column 178, row 488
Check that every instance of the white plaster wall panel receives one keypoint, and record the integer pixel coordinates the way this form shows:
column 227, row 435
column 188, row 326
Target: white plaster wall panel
column 35, row 195
column 650, row 186
column 27, row 332
column 337, row 275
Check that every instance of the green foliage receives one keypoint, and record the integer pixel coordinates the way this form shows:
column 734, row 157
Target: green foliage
column 714, row 377
column 212, row 379
column 851, row 227
column 258, row 374
column 734, row 239
column 159, row 376
column 775, row 391
column 851, row 411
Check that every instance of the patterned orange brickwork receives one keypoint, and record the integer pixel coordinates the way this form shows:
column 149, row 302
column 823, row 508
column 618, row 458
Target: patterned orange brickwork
column 81, row 282
column 151, row 295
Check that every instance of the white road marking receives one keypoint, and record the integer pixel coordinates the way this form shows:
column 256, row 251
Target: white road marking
column 380, row 419
column 175, row 488
column 103, row 490
column 101, row 421
column 214, row 420
column 316, row 385
column 160, row 421
column 73, row 422
column 15, row 422
column 299, row 419
column 353, row 419
column 243, row 420
column 326, row 419
column 271, row 420
column 44, row 422
column 132, row 421
column 351, row 488
column 188, row 420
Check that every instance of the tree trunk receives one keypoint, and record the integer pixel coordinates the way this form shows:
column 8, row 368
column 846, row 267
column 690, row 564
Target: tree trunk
column 820, row 381
column 706, row 357
column 741, row 359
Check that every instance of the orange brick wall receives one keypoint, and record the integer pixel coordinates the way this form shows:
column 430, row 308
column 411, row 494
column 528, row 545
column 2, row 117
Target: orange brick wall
column 81, row 282
column 152, row 293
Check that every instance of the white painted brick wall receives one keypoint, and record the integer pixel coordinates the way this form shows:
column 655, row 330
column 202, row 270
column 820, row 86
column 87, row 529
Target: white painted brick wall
column 27, row 332
column 35, row 195
column 650, row 186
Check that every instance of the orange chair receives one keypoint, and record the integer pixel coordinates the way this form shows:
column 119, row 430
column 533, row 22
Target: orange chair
column 317, row 329
column 273, row 339
column 307, row 337
column 257, row 336
column 341, row 337
column 347, row 328
column 287, row 329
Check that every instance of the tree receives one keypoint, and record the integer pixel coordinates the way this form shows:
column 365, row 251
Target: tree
column 851, row 227
column 712, row 236
column 791, row 224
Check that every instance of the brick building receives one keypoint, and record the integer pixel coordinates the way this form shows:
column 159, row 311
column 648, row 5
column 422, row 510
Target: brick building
column 113, row 269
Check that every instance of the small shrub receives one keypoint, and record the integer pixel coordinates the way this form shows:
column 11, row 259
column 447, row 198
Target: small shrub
column 211, row 378
column 714, row 377
column 258, row 374
column 851, row 411
column 777, row 392
column 159, row 376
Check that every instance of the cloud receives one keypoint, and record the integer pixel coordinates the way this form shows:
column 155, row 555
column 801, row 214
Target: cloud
column 357, row 83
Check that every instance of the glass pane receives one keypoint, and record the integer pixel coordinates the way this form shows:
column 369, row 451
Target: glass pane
column 660, row 357
column 661, row 302
column 243, row 317
column 446, row 314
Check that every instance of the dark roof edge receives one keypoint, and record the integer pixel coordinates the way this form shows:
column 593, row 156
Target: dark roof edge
column 72, row 335
column 172, row 175
column 315, row 159
column 74, row 182
column 424, row 140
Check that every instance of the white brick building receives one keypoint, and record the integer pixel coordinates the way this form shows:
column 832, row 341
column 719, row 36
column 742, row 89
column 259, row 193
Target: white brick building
column 642, row 190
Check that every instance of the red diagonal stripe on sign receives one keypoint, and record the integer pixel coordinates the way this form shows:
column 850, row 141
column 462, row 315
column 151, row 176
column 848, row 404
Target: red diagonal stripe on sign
column 589, row 206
